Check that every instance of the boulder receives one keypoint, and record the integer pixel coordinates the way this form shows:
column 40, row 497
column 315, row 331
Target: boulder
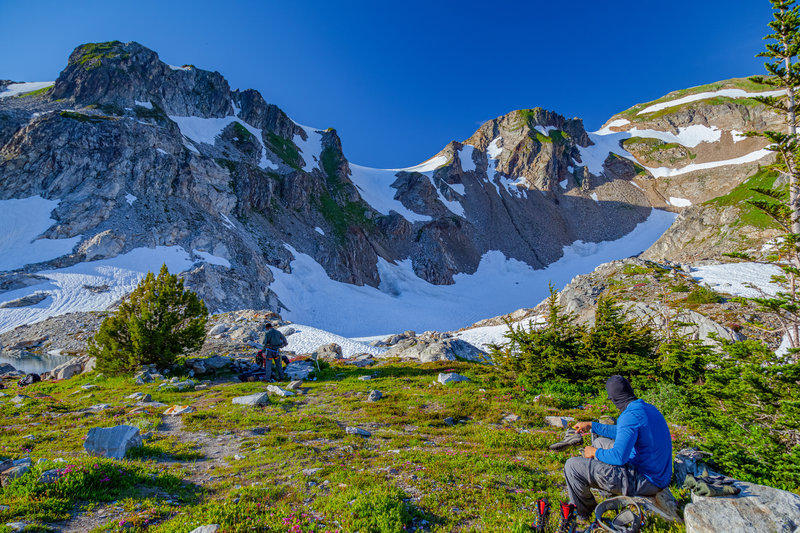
column 141, row 397
column 350, row 430
column 451, row 377
column 374, row 396
column 218, row 330
column 178, row 410
column 328, row 352
column 13, row 473
column 558, row 421
column 295, row 385
column 429, row 349
column 208, row 365
column 274, row 389
column 756, row 509
column 49, row 476
column 73, row 367
column 112, row 442
column 210, row 528
column 257, row 399
column 299, row 370
column 6, row 368
column 89, row 365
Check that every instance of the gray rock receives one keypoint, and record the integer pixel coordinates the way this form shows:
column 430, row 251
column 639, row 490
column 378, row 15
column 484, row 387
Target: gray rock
column 112, row 442
column 274, row 389
column 208, row 365
column 329, row 352
column 350, row 430
column 365, row 378
column 429, row 349
column 141, row 397
column 558, row 421
column 4, row 508
column 374, row 396
column 25, row 301
column 210, row 528
column 13, row 473
column 451, row 377
column 6, row 368
column 295, row 385
column 17, row 526
column 299, row 370
column 73, row 367
column 19, row 398
column 257, row 399
column 756, row 509
column 449, row 421
column 311, row 471
column 511, row 418
column 218, row 329
column 178, row 410
column 49, row 476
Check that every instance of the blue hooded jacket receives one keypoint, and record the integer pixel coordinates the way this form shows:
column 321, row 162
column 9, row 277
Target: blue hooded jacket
column 641, row 439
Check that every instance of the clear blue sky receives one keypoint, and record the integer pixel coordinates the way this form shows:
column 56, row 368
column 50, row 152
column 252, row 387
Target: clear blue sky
column 399, row 80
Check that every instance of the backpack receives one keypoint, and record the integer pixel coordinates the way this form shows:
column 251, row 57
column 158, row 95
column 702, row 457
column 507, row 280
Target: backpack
column 29, row 379
column 260, row 359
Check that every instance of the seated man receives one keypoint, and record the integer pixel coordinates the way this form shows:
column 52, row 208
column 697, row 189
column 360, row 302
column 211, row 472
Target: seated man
column 632, row 458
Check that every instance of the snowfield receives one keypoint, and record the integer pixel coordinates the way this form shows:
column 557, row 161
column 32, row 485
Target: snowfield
column 404, row 301
column 90, row 286
column 730, row 93
column 306, row 339
column 14, row 89
column 736, row 278
column 23, row 221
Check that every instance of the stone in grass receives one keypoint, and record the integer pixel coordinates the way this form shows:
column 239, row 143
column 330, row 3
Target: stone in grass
column 49, row 476
column 19, row 398
column 17, row 526
column 451, row 377
column 274, row 389
column 295, row 385
column 365, row 378
column 112, row 442
column 311, row 471
column 558, row 421
column 757, row 509
column 177, row 410
column 210, row 528
column 350, row 430
column 449, row 421
column 4, row 508
column 374, row 396
column 257, row 399
column 140, row 396
column 13, row 473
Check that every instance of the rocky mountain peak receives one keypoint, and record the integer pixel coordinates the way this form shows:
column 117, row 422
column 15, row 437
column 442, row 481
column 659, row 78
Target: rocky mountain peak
column 121, row 74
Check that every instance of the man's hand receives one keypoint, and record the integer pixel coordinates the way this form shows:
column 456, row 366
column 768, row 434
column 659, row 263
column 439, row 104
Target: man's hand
column 582, row 427
column 589, row 452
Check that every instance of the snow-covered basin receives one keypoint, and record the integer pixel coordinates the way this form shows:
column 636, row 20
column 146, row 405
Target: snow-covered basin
column 405, row 302
column 738, row 279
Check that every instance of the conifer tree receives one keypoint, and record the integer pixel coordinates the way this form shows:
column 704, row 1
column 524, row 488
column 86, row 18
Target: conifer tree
column 157, row 322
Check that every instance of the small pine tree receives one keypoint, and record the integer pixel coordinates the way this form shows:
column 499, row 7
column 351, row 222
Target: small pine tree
column 157, row 322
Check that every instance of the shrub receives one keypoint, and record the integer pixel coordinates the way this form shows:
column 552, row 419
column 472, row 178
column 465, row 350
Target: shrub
column 157, row 322
column 703, row 295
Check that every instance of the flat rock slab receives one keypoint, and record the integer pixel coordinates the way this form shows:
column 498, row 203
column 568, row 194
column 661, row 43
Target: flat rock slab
column 295, row 385
column 210, row 528
column 350, row 430
column 177, row 410
column 756, row 509
column 558, row 421
column 112, row 442
column 257, row 399
column 451, row 377
column 274, row 389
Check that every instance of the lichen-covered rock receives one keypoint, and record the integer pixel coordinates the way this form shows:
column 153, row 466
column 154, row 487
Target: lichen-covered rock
column 756, row 509
column 113, row 442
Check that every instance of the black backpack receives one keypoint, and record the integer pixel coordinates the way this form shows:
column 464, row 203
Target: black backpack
column 29, row 379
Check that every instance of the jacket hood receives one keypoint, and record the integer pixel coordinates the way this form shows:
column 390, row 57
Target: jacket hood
column 620, row 392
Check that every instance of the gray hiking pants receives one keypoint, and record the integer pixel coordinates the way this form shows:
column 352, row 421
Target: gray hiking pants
column 277, row 362
column 584, row 474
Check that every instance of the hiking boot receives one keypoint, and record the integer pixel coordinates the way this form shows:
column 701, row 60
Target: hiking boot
column 571, row 438
column 541, row 516
column 568, row 521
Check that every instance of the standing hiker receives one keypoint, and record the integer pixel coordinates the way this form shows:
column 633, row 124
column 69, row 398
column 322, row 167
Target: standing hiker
column 632, row 458
column 273, row 342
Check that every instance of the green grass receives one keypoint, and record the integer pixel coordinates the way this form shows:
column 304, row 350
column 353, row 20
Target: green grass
column 37, row 92
column 93, row 53
column 733, row 83
column 285, row 149
column 738, row 197
column 81, row 117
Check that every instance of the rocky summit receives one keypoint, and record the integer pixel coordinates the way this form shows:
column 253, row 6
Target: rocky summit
column 126, row 160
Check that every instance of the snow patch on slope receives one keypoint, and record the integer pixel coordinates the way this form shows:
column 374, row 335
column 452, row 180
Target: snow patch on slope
column 206, row 130
column 212, row 259
column 14, row 89
column 307, row 339
column 467, row 163
column 375, row 187
column 661, row 172
column 23, row 221
column 67, row 287
column 404, row 301
column 311, row 147
column 735, row 278
column 730, row 93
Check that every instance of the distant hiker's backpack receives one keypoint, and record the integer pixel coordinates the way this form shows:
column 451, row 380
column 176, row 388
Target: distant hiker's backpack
column 260, row 359
column 29, row 379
